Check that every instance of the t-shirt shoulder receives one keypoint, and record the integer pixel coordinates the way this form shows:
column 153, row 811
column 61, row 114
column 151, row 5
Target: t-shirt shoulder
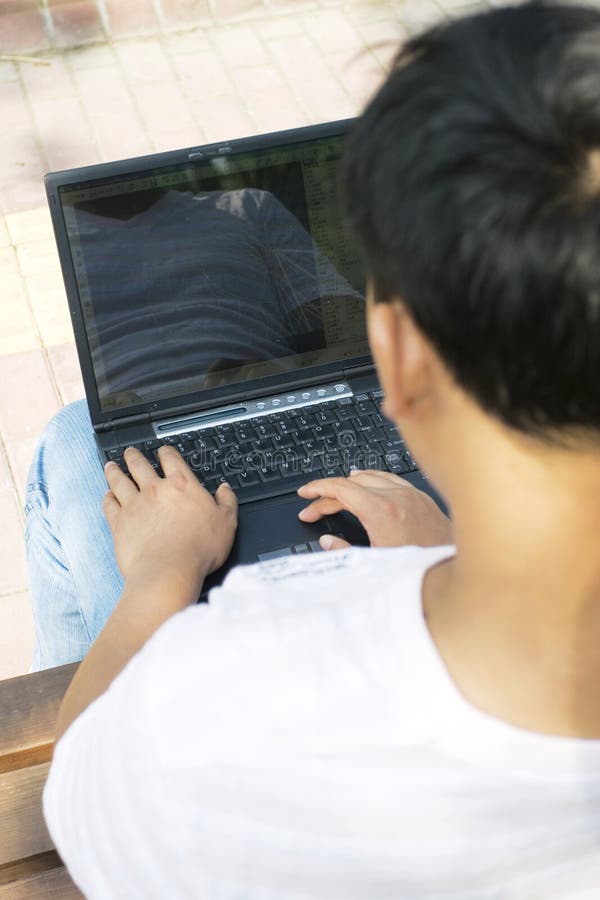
column 323, row 578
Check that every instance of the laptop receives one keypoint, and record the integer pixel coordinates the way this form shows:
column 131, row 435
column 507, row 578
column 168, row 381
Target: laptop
column 218, row 305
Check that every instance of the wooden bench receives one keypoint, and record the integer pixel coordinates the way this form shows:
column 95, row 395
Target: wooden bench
column 30, row 867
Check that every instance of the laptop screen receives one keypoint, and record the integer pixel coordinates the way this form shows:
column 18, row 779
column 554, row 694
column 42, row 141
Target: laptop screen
column 215, row 271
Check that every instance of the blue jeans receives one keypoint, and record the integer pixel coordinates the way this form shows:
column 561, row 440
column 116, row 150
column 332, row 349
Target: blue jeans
column 73, row 574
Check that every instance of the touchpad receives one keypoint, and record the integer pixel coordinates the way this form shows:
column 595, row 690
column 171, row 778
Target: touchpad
column 274, row 525
column 271, row 528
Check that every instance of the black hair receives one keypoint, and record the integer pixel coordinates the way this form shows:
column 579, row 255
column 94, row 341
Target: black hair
column 472, row 182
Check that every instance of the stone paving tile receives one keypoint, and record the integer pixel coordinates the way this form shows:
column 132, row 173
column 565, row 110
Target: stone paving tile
column 275, row 110
column 51, row 80
column 28, row 397
column 360, row 75
column 12, row 101
column 13, row 571
column 15, row 619
column 48, row 303
column 4, row 235
column 222, row 118
column 20, row 29
column 75, row 23
column 67, row 374
column 240, row 45
column 28, row 226
column 24, row 194
column 6, row 479
column 202, row 74
column 186, row 42
column 8, row 261
column 8, row 71
column 165, row 111
column 100, row 56
column 120, row 134
column 134, row 17
column 38, row 257
column 227, row 10
column 143, row 62
column 176, row 13
column 17, row 326
column 332, row 32
column 104, row 92
column 282, row 26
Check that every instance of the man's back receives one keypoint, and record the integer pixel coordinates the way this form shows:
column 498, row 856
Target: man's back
column 300, row 737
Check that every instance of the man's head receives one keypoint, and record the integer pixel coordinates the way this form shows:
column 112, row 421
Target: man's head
column 473, row 184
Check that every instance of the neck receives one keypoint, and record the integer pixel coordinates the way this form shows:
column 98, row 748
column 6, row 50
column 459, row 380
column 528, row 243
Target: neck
column 516, row 616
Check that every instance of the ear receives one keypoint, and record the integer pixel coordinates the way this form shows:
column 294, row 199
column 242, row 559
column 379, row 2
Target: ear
column 402, row 356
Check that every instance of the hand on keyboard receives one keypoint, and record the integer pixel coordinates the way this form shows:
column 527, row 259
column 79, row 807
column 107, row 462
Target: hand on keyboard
column 170, row 526
column 392, row 511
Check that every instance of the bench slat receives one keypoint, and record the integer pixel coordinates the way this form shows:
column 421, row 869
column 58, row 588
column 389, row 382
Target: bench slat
column 53, row 884
column 28, row 709
column 23, row 831
column 30, row 868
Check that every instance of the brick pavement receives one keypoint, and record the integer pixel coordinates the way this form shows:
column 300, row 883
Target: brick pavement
column 152, row 75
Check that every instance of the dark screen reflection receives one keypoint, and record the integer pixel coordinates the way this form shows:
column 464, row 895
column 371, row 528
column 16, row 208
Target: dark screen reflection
column 193, row 286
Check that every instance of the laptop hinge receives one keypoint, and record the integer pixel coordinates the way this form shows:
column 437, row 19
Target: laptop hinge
column 353, row 371
column 123, row 422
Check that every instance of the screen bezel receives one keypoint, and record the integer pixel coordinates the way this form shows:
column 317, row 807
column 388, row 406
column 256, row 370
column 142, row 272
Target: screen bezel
column 137, row 166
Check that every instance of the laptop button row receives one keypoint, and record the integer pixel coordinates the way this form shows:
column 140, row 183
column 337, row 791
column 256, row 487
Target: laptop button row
column 311, row 547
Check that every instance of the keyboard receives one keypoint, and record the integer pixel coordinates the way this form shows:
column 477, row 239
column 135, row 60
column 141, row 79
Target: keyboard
column 274, row 454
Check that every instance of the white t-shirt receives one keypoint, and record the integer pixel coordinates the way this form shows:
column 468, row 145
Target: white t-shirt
column 300, row 738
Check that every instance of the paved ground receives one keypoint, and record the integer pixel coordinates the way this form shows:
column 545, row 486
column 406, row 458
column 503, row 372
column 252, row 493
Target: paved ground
column 258, row 68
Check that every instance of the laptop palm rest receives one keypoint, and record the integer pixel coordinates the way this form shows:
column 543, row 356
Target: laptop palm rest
column 271, row 525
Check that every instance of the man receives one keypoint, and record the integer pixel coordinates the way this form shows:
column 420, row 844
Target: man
column 403, row 722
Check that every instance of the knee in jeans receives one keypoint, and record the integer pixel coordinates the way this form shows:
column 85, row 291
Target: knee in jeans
column 69, row 428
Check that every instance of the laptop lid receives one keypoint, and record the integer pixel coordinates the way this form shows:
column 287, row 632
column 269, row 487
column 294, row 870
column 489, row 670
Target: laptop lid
column 207, row 275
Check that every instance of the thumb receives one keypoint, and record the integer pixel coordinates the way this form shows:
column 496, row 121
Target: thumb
column 226, row 498
column 330, row 542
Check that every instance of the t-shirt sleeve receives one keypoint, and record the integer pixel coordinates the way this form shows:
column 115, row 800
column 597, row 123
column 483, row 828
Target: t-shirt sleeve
column 102, row 799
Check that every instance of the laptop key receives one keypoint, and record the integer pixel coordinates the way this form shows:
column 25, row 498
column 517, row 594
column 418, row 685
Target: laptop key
column 204, row 442
column 267, row 474
column 245, row 434
column 320, row 432
column 248, row 478
column 264, row 445
column 225, row 438
column 410, row 461
column 306, row 420
column 283, row 442
column 367, row 408
column 325, row 416
column 195, row 459
column 286, row 427
column 265, row 431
